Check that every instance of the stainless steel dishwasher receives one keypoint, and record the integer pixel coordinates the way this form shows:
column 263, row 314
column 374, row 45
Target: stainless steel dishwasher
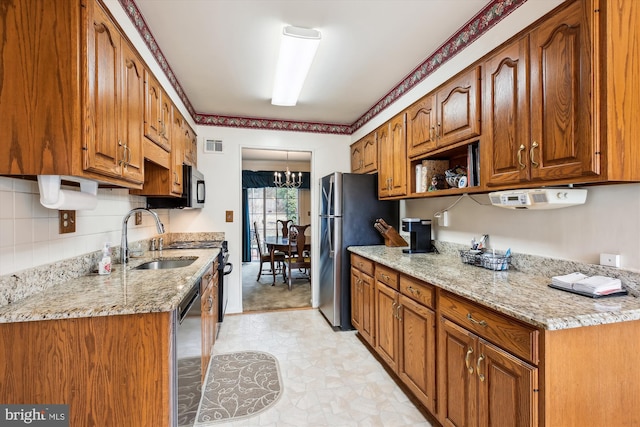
column 188, row 351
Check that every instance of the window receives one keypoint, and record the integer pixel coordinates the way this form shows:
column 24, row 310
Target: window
column 266, row 206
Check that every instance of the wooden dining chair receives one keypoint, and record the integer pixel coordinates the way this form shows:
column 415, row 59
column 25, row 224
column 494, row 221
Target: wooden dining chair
column 265, row 256
column 284, row 227
column 298, row 257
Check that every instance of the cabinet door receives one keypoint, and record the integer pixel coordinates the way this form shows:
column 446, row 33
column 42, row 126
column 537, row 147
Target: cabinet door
column 369, row 153
column 357, row 157
column 367, row 292
column 385, row 154
column 356, row 299
column 505, row 150
column 398, row 144
column 562, row 143
column 387, row 324
column 507, row 389
column 156, row 117
column 458, row 108
column 456, row 382
column 417, row 344
column 104, row 151
column 132, row 108
column 178, row 141
column 421, row 126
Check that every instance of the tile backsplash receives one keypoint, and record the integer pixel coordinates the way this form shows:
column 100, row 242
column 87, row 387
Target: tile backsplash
column 29, row 234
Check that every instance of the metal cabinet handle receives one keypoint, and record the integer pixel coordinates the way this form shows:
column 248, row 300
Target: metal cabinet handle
column 477, row 322
column 432, row 132
column 121, row 162
column 398, row 315
column 480, row 359
column 384, row 276
column 466, row 360
column 520, row 150
column 438, row 130
column 533, row 147
column 210, row 300
column 413, row 291
column 393, row 309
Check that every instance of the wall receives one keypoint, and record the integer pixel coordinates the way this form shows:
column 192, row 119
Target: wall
column 223, row 173
column 29, row 232
column 608, row 222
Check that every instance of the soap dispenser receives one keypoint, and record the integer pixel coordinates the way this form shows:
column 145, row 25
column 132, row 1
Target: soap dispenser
column 104, row 266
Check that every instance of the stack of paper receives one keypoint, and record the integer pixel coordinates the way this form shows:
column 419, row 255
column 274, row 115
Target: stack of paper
column 597, row 285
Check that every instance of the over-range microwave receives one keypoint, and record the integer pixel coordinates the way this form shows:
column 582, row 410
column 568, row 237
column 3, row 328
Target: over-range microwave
column 193, row 192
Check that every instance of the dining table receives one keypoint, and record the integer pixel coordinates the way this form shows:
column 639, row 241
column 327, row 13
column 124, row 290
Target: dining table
column 279, row 243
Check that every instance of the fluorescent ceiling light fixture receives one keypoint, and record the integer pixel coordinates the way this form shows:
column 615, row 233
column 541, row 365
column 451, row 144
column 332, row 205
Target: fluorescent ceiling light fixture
column 297, row 49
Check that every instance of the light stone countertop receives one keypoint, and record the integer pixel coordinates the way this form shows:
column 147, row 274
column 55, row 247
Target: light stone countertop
column 125, row 291
column 526, row 297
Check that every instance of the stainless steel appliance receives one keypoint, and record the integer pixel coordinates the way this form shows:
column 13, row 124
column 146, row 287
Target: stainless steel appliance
column 188, row 346
column 349, row 207
column 419, row 233
column 193, row 192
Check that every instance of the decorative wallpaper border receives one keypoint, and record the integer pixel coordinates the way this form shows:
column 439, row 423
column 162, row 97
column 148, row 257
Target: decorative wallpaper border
column 484, row 20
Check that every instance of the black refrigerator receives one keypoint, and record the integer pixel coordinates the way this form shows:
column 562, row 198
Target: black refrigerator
column 349, row 207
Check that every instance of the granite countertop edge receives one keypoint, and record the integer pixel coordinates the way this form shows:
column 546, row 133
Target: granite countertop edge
column 525, row 297
column 123, row 292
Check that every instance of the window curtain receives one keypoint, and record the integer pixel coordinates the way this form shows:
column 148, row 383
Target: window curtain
column 246, row 227
column 258, row 179
column 262, row 179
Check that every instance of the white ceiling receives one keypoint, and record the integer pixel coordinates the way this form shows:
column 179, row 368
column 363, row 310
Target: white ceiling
column 223, row 52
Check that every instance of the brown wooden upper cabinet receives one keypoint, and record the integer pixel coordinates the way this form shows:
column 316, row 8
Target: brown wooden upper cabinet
column 392, row 149
column 190, row 146
column 421, row 126
column 114, row 99
column 70, row 107
column 157, row 113
column 449, row 115
column 458, row 109
column 553, row 139
column 364, row 155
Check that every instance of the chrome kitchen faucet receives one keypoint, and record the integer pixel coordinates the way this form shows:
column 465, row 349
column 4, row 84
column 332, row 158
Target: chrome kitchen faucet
column 124, row 244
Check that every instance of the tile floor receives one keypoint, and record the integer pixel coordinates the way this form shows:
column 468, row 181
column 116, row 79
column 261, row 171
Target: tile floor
column 329, row 378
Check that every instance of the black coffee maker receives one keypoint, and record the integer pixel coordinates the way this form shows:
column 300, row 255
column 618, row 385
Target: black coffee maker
column 420, row 234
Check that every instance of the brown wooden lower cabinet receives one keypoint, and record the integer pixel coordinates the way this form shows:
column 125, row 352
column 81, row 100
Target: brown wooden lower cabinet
column 471, row 366
column 481, row 384
column 111, row 370
column 209, row 316
column 417, row 345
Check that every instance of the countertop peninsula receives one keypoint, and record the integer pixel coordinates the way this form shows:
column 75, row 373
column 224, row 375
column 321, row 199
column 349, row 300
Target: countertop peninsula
column 124, row 291
column 524, row 296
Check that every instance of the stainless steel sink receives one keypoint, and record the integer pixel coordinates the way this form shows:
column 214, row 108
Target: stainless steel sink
column 163, row 264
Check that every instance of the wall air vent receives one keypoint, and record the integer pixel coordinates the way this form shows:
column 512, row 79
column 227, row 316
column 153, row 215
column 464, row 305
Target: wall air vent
column 212, row 146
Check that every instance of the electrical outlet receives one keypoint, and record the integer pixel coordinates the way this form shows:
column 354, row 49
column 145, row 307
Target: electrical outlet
column 67, row 221
column 138, row 218
column 611, row 260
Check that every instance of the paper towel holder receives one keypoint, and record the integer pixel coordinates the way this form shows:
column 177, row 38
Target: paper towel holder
column 53, row 197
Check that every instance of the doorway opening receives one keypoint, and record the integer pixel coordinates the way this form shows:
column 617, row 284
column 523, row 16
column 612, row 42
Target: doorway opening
column 264, row 204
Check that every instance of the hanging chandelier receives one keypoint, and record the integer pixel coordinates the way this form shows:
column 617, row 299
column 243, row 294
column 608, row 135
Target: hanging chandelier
column 289, row 178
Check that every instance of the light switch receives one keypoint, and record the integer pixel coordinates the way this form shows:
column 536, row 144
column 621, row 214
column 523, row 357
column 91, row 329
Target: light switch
column 229, row 216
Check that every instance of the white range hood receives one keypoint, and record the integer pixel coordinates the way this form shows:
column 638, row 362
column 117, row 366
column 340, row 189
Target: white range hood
column 539, row 198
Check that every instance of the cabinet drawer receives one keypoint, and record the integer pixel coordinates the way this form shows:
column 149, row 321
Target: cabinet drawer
column 387, row 276
column 362, row 264
column 513, row 336
column 418, row 291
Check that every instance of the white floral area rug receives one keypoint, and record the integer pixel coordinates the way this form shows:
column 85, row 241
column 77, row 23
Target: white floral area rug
column 238, row 385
